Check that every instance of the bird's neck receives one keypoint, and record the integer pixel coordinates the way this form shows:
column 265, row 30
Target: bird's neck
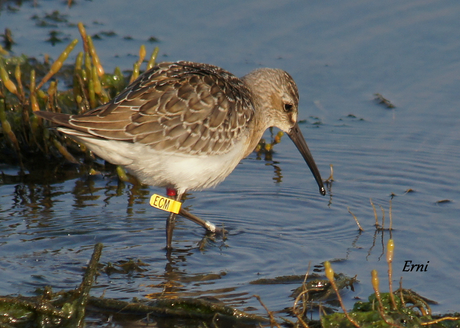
column 262, row 120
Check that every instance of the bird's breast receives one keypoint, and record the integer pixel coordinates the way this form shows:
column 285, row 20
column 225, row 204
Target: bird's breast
column 184, row 171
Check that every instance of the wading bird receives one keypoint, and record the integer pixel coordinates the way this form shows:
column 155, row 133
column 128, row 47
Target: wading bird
column 185, row 126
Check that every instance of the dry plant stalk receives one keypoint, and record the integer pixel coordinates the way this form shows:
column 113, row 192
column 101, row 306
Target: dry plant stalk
column 356, row 219
column 304, row 324
column 401, row 296
column 377, row 225
column 331, row 176
column 383, row 217
column 270, row 314
column 439, row 320
column 391, row 217
column 303, row 295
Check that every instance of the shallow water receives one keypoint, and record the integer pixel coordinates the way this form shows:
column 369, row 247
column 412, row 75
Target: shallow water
column 278, row 222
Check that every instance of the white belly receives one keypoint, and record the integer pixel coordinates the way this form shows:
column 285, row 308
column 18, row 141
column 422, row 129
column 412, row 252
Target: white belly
column 163, row 169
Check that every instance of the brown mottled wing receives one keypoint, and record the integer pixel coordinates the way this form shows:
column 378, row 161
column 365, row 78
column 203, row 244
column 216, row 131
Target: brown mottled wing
column 181, row 107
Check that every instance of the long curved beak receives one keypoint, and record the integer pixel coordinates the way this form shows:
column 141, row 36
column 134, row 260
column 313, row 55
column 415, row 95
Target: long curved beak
column 296, row 136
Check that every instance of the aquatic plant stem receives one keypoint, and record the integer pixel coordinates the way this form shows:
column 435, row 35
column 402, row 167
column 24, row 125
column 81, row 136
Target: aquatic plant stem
column 390, row 253
column 375, row 285
column 375, row 214
column 270, row 314
column 356, row 219
column 330, row 275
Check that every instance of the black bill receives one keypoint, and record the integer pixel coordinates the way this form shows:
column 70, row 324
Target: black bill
column 296, row 136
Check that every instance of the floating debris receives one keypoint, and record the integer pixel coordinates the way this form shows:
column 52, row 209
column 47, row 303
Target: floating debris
column 443, row 201
column 351, row 117
column 382, row 100
column 153, row 39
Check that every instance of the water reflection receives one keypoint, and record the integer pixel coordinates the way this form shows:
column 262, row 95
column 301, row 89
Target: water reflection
column 277, row 175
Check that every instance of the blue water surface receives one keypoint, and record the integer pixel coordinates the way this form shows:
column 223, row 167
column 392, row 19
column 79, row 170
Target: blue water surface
column 340, row 55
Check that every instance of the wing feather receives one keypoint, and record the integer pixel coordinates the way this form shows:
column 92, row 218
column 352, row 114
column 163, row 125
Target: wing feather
column 180, row 107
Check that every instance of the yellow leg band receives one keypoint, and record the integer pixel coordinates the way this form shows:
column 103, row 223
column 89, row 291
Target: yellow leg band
column 165, row 203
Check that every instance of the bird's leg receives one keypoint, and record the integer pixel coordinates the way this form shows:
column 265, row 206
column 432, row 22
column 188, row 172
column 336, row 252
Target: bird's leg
column 171, row 222
column 205, row 224
column 186, row 214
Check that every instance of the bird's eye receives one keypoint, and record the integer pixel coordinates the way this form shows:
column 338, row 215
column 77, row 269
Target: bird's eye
column 288, row 108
